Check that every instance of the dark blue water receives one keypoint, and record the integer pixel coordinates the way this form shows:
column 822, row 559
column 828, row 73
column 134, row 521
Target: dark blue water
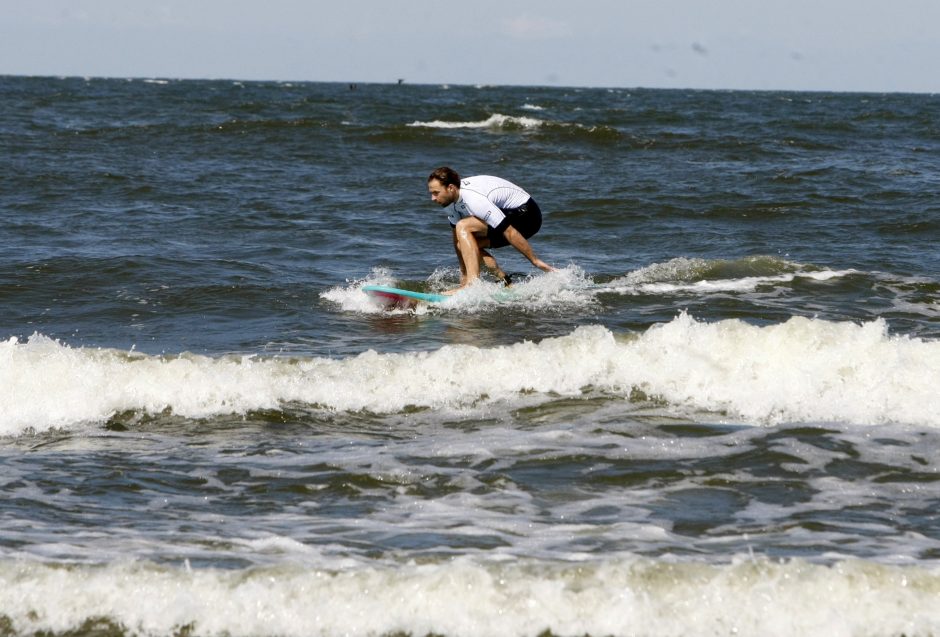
column 719, row 416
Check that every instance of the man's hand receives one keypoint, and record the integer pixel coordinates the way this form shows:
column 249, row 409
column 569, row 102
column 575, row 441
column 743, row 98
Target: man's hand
column 541, row 265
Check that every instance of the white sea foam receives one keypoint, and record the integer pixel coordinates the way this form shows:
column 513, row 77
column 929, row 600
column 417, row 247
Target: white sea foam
column 463, row 597
column 352, row 299
column 800, row 370
column 555, row 291
column 494, row 121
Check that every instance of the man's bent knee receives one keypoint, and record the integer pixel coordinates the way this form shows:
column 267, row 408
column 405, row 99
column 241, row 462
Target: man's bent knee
column 473, row 226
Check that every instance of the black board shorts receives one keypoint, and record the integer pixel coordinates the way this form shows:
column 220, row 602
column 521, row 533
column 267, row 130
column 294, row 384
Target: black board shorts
column 526, row 219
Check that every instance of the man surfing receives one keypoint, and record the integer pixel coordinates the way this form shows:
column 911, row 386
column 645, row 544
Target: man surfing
column 485, row 212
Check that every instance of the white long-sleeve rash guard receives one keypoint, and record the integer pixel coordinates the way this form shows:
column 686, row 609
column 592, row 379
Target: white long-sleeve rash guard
column 485, row 197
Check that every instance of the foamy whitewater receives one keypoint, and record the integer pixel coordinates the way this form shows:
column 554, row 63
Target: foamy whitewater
column 800, row 370
column 464, row 598
column 718, row 416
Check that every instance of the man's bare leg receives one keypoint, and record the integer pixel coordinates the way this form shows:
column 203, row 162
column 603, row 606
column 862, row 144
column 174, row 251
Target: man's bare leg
column 490, row 262
column 469, row 249
column 470, row 240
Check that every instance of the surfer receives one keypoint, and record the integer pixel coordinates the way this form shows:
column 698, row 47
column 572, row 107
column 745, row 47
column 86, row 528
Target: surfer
column 486, row 212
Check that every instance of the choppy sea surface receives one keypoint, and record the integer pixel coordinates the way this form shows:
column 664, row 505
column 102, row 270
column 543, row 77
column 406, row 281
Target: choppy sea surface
column 720, row 416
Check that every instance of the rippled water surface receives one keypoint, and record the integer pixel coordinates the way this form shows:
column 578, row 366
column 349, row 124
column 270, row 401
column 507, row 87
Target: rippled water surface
column 719, row 416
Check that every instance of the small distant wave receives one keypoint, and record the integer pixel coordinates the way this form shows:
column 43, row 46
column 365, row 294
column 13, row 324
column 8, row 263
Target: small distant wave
column 170, row 129
column 245, row 125
column 554, row 131
column 495, row 121
column 914, row 226
column 693, row 275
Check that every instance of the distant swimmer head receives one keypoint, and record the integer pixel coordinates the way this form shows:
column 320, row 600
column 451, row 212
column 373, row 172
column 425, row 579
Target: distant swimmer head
column 444, row 186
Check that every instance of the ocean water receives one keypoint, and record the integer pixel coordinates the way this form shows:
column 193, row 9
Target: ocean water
column 720, row 416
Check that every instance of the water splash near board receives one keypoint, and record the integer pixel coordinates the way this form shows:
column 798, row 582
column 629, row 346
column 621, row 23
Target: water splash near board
column 397, row 298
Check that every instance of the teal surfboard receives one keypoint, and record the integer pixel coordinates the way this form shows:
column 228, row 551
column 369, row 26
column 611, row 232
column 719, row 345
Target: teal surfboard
column 398, row 298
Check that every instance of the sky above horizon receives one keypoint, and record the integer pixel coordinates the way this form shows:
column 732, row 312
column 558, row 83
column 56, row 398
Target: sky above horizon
column 817, row 45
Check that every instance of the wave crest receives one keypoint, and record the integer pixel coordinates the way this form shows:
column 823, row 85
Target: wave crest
column 800, row 370
column 494, row 121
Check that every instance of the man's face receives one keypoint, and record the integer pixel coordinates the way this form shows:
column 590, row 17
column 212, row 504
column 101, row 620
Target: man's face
column 442, row 195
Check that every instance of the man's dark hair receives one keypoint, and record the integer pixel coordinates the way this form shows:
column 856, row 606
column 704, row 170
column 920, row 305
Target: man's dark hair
column 447, row 176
